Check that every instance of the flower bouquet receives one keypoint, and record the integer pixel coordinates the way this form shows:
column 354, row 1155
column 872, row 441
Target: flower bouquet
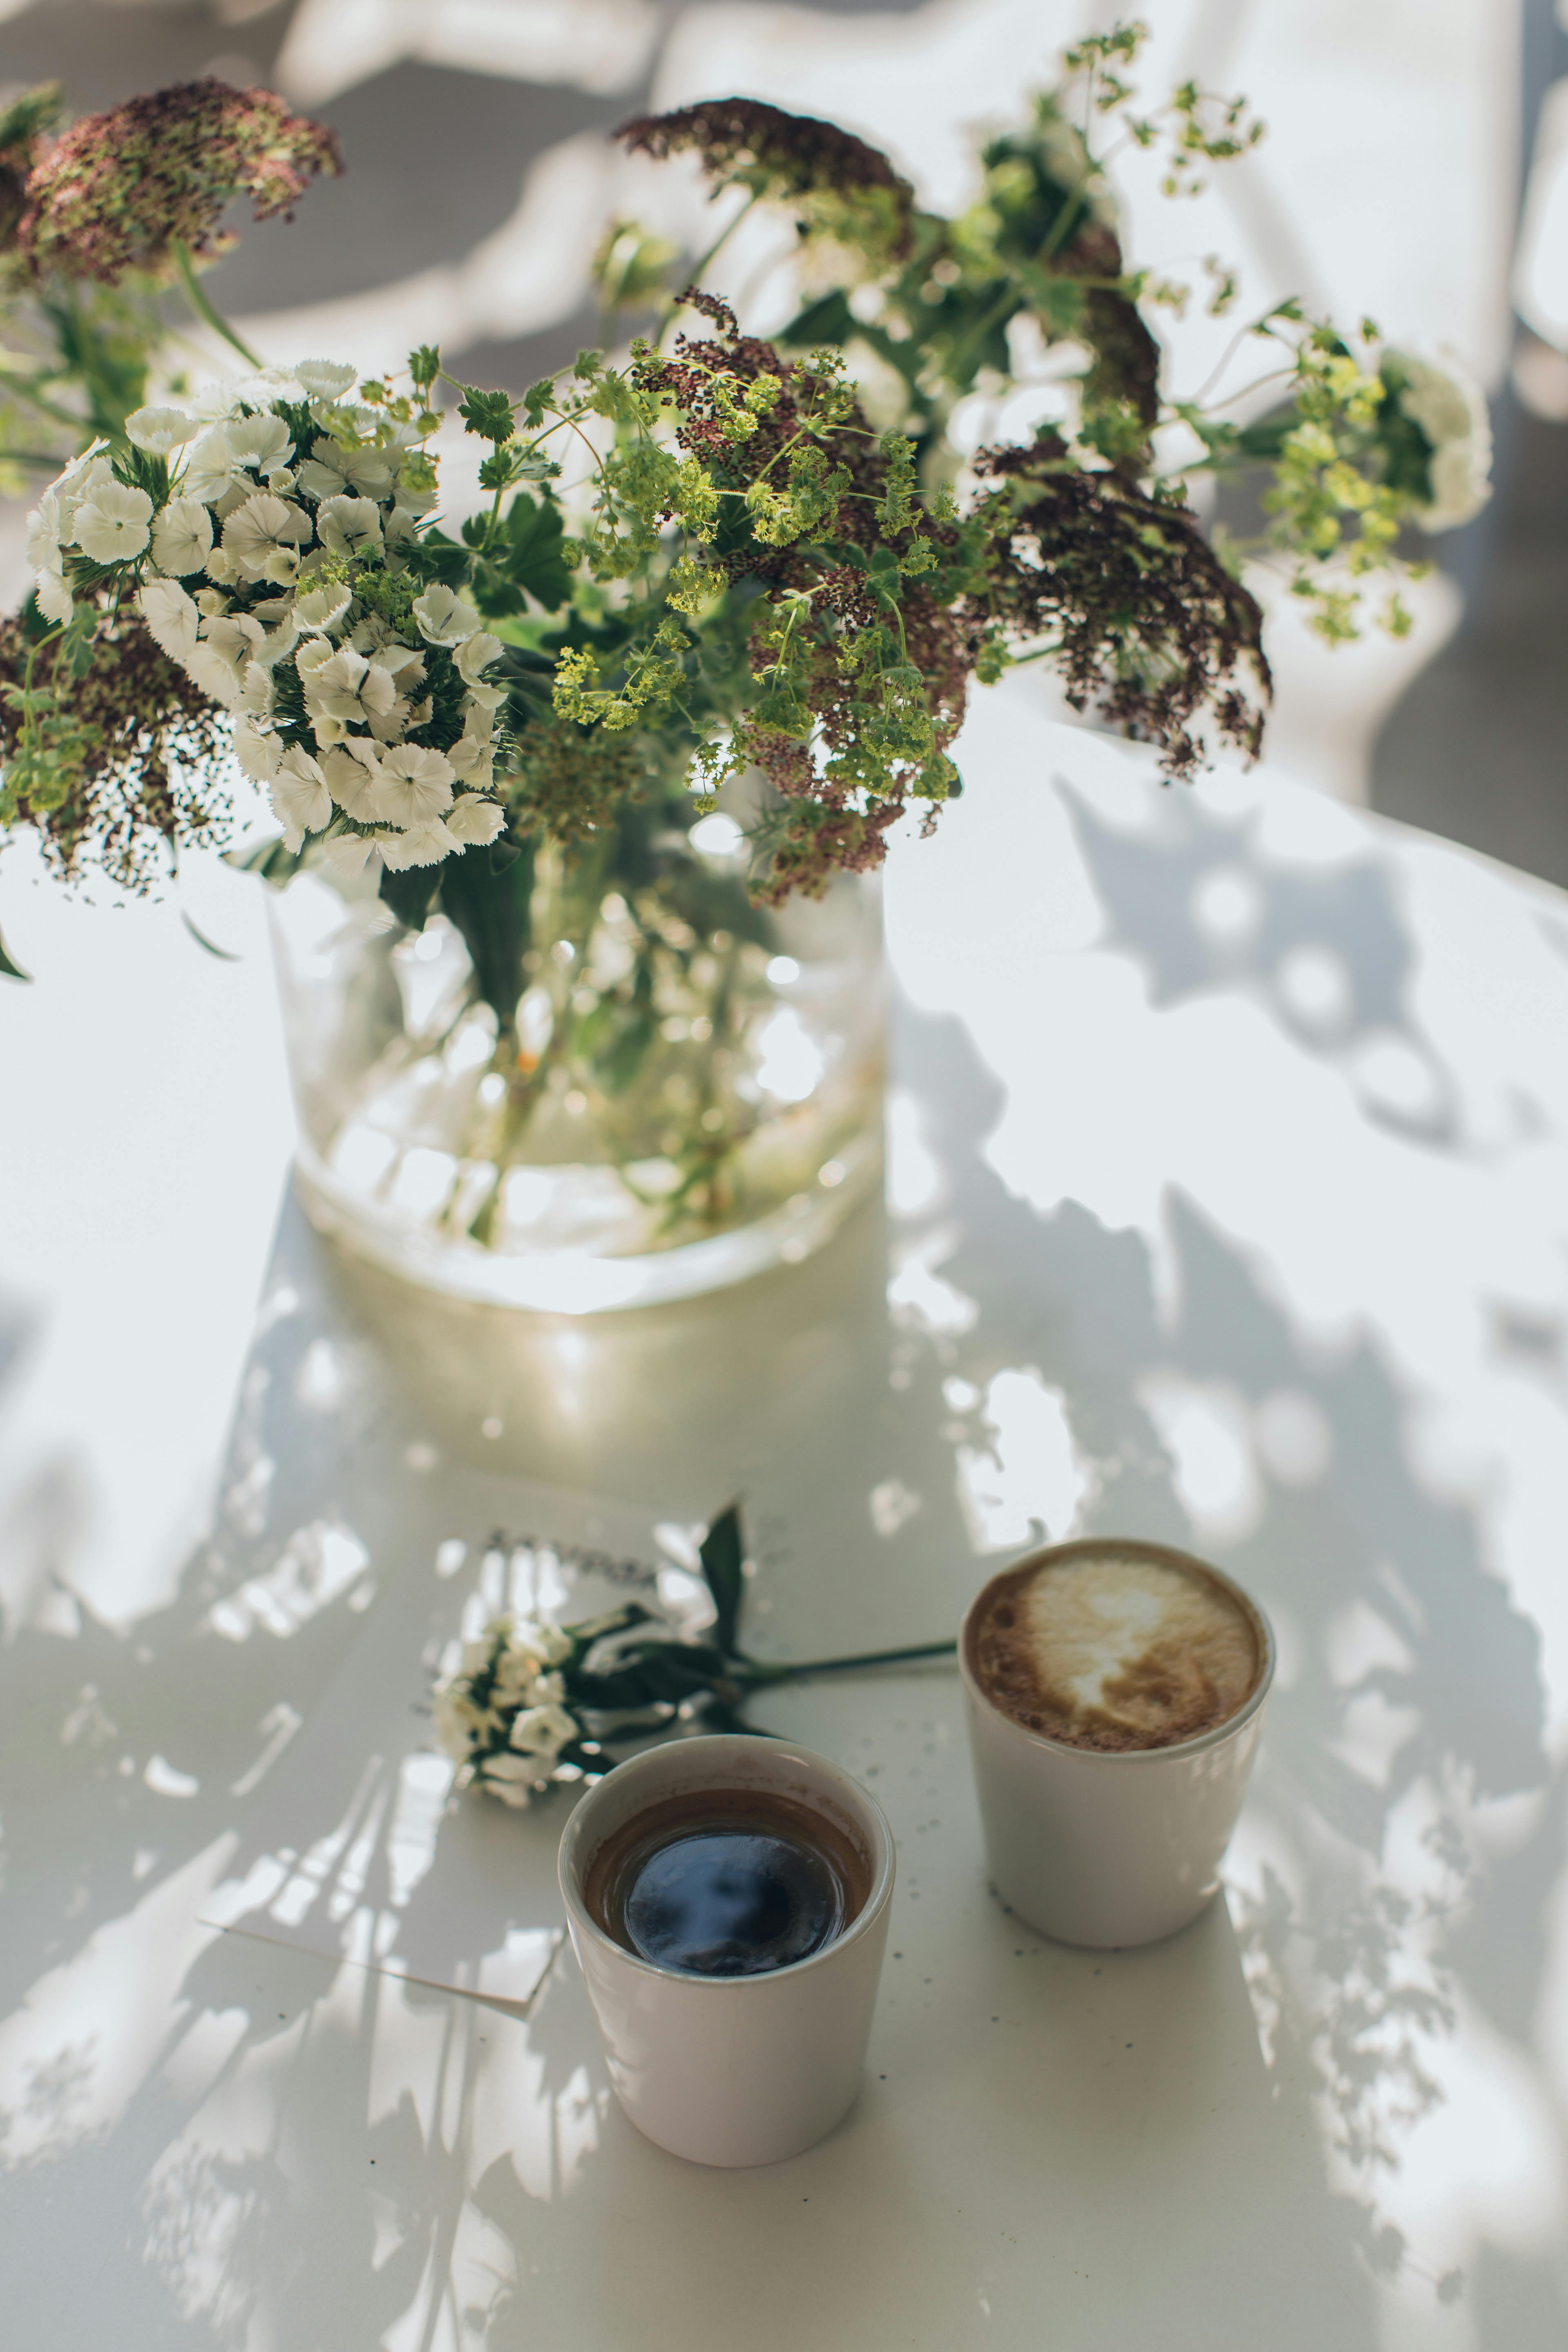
column 576, row 798
column 532, row 1705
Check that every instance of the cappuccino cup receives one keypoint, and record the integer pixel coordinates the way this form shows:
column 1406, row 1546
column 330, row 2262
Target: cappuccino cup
column 728, row 1901
column 1114, row 1691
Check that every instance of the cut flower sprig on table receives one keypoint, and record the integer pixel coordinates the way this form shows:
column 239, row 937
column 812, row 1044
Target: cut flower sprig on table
column 534, row 1705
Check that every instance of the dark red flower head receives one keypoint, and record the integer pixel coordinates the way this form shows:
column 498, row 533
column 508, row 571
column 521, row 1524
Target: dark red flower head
column 121, row 188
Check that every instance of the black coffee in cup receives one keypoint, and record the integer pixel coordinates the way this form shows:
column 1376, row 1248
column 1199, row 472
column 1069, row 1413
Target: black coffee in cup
column 727, row 1883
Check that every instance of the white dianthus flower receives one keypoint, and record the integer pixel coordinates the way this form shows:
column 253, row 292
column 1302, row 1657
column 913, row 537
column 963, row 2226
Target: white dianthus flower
column 475, row 653
column 55, row 600
column 42, row 544
column 470, row 759
column 352, row 771
column 159, row 430
column 348, row 526
column 420, row 844
column 510, row 1777
column 331, row 470
column 264, row 527
column 181, row 537
column 348, row 853
column 324, row 379
column 259, row 756
column 173, row 621
column 260, row 443
column 416, row 786
column 473, row 819
column 301, row 801
column 542, row 1732
column 444, row 617
column 348, row 687
column 228, row 646
column 210, row 468
column 111, row 526
column 1451, row 410
column 322, row 607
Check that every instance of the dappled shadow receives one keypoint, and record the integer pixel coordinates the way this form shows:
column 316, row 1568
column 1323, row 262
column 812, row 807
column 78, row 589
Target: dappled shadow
column 331, row 2157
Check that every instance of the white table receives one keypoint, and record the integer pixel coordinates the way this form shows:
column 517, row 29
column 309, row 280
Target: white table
column 1227, row 1202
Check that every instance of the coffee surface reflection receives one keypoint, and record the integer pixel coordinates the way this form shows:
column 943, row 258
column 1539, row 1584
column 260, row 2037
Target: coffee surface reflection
column 727, row 1883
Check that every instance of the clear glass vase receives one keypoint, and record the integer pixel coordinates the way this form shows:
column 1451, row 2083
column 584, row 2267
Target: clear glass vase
column 630, row 1094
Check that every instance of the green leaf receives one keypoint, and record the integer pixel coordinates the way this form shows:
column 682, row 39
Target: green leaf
column 269, row 858
column 722, row 1552
column 409, row 894
column 424, row 365
column 10, row 967
column 488, row 413
column 224, row 955
column 533, row 560
column 492, row 908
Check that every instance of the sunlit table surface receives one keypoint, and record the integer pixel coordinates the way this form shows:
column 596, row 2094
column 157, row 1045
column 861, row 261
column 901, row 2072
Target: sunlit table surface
column 1227, row 1202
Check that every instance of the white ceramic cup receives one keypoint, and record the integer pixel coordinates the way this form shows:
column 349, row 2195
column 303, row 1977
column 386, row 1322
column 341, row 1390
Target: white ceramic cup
column 1109, row 1848
column 732, row 2070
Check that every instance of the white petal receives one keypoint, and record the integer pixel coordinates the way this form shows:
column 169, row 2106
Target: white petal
column 444, row 617
column 159, row 430
column 171, row 617
column 470, row 818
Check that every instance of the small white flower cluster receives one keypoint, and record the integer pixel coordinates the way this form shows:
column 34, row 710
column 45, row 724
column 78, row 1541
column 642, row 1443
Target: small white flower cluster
column 269, row 572
column 1451, row 410
column 501, row 1715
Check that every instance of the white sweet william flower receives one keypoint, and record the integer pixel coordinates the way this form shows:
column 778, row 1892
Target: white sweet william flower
column 172, row 619
column 43, row 541
column 259, row 756
column 352, row 773
column 260, row 443
column 226, row 650
column 55, row 599
column 322, row 607
column 212, row 602
column 209, row 469
column 483, row 697
column 470, row 759
column 159, row 430
column 542, row 1732
column 416, row 786
column 301, row 801
column 221, row 567
column 510, row 1777
column 182, row 538
column 1451, row 410
column 349, row 526
column 348, row 687
column 347, row 854
column 476, row 653
column 259, row 692
column 324, row 379
column 112, row 527
column 78, row 480
column 443, row 617
column 421, row 844
column 473, row 819
column 331, row 469
column 264, row 527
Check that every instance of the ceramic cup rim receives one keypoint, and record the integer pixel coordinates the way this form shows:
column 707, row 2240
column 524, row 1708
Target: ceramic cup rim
column 1120, row 1546
column 884, row 1858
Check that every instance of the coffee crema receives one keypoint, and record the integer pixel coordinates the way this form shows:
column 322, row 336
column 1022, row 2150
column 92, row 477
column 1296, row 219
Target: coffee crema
column 727, row 1883
column 1112, row 1646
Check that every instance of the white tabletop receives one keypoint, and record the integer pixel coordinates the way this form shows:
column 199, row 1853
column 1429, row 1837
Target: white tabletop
column 1226, row 1204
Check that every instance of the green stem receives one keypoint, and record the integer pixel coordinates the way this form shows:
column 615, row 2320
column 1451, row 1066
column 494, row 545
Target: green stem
column 701, row 263
column 203, row 308
column 766, row 1675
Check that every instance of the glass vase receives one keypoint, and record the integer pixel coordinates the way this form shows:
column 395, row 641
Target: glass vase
column 590, row 1096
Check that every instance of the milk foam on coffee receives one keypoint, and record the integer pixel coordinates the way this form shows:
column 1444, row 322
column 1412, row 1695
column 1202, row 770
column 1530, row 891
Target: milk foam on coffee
column 1116, row 1650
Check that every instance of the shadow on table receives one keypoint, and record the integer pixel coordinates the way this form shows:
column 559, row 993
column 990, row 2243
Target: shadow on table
column 883, row 1418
